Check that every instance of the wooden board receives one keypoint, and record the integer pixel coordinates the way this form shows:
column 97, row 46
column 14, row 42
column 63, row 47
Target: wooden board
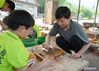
column 64, row 62
column 41, row 54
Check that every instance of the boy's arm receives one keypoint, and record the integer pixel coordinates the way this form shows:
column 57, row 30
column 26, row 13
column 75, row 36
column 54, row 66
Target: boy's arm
column 38, row 65
column 32, row 59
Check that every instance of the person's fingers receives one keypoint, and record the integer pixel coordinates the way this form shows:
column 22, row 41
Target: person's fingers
column 43, row 45
column 75, row 56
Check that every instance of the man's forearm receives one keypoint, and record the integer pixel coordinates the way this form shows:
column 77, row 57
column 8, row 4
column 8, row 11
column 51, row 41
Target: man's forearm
column 48, row 38
column 83, row 49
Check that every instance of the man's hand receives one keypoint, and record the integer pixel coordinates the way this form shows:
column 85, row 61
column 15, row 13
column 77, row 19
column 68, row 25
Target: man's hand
column 75, row 55
column 45, row 45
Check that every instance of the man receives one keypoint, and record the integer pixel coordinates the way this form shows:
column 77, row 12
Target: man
column 71, row 37
column 13, row 54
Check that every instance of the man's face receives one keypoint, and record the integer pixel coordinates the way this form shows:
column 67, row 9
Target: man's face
column 63, row 22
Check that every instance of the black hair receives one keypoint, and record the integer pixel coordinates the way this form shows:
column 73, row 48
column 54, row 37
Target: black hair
column 5, row 19
column 11, row 4
column 63, row 11
column 20, row 18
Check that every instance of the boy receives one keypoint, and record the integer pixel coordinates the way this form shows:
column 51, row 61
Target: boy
column 13, row 54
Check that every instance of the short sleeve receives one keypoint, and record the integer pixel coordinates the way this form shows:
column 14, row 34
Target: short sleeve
column 54, row 30
column 80, row 32
column 17, row 55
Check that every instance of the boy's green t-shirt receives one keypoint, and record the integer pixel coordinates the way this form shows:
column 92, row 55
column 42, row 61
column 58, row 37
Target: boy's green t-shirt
column 13, row 54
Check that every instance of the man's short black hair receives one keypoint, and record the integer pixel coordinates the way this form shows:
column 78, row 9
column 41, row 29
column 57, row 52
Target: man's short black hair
column 11, row 4
column 20, row 18
column 63, row 11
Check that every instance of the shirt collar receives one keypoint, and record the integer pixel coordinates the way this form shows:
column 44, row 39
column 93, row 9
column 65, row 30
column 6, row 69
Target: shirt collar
column 12, row 35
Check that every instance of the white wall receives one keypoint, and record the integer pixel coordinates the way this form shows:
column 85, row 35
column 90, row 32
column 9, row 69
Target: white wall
column 31, row 8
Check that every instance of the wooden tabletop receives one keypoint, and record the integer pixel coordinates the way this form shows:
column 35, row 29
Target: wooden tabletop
column 64, row 62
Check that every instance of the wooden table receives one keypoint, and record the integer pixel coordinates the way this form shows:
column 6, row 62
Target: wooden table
column 65, row 63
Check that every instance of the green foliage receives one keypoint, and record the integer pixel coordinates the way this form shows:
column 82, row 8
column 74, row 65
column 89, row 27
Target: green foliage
column 41, row 6
column 86, row 13
column 72, row 7
column 64, row 3
column 98, row 13
column 41, row 2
